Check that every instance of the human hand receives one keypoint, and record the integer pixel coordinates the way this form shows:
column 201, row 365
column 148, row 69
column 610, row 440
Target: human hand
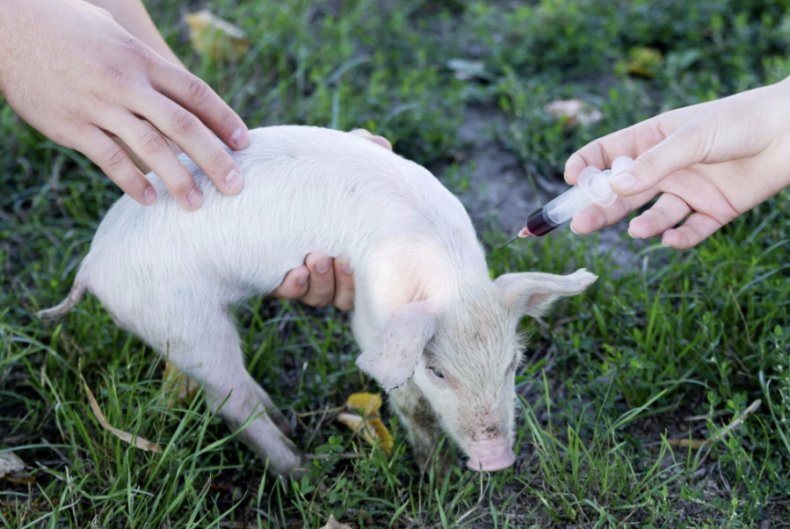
column 708, row 162
column 73, row 73
column 322, row 280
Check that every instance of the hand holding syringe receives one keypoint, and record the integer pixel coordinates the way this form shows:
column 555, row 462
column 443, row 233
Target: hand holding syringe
column 593, row 188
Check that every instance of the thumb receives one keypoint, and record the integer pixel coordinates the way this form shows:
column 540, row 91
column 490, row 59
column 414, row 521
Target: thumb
column 674, row 153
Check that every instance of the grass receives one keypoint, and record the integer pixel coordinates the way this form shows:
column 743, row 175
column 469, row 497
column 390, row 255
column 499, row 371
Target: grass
column 668, row 348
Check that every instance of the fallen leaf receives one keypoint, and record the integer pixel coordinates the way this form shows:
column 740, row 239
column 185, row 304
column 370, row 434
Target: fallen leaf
column 213, row 37
column 367, row 403
column 363, row 419
column 139, row 442
column 466, row 70
column 686, row 443
column 334, row 524
column 644, row 62
column 573, row 112
column 178, row 384
column 719, row 434
column 10, row 463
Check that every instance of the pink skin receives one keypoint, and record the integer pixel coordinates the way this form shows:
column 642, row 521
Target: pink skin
column 490, row 456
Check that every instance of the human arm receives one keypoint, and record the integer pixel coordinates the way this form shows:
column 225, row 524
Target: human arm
column 707, row 163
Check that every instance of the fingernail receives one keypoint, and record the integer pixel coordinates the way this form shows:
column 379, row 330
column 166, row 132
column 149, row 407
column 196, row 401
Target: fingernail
column 149, row 195
column 239, row 138
column 301, row 279
column 347, row 268
column 624, row 181
column 234, row 181
column 322, row 267
column 573, row 230
column 195, row 198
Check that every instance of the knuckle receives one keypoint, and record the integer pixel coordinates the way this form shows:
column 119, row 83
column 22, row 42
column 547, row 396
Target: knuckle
column 152, row 142
column 197, row 90
column 220, row 162
column 114, row 73
column 179, row 185
column 114, row 158
column 182, row 121
column 135, row 49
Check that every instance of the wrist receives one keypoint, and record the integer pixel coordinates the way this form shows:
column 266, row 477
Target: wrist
column 132, row 16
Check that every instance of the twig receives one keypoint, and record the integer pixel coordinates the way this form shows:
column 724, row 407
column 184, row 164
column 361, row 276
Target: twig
column 736, row 423
column 339, row 455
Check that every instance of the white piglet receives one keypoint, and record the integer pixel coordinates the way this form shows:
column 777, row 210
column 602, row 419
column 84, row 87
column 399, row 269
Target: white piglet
column 434, row 330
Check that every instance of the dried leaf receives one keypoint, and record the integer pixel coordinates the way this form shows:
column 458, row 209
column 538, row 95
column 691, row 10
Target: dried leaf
column 10, row 463
column 368, row 425
column 573, row 112
column 139, row 442
column 718, row 435
column 178, row 383
column 466, row 70
column 644, row 62
column 334, row 524
column 686, row 443
column 367, row 403
column 213, row 37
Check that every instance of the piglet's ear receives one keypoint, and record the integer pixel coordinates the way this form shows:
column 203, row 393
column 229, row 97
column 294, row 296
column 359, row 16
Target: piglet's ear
column 393, row 359
column 532, row 293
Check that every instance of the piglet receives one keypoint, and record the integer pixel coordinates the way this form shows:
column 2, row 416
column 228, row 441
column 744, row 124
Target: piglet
column 434, row 330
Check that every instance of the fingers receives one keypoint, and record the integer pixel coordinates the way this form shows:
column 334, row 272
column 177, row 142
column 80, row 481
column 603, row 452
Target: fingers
column 114, row 161
column 195, row 95
column 295, row 284
column 379, row 140
column 322, row 280
column 152, row 148
column 595, row 217
column 344, row 285
column 696, row 229
column 198, row 142
column 677, row 152
column 319, row 282
column 665, row 214
column 601, row 153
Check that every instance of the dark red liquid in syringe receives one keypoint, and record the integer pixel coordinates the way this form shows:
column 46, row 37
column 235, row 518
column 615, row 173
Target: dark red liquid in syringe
column 538, row 224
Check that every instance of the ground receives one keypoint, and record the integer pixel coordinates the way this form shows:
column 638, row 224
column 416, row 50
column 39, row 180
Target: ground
column 621, row 387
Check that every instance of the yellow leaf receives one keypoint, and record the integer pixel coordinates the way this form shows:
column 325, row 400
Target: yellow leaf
column 644, row 62
column 368, row 403
column 382, row 434
column 369, row 426
column 372, row 430
column 213, row 37
column 178, row 384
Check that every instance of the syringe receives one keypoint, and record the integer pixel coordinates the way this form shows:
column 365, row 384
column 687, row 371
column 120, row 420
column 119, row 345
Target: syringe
column 592, row 188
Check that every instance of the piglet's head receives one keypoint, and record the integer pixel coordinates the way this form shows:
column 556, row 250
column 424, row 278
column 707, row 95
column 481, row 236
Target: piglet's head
column 463, row 357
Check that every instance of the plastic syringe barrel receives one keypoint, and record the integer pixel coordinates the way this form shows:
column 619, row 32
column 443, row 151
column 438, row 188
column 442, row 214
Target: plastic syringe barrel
column 593, row 188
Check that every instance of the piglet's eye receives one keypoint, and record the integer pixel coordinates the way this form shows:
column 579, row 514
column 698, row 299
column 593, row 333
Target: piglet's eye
column 436, row 372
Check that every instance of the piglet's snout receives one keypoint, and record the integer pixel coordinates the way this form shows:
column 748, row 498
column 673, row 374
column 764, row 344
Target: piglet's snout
column 490, row 455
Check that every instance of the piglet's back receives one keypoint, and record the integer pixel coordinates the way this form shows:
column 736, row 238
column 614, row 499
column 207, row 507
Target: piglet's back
column 306, row 189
